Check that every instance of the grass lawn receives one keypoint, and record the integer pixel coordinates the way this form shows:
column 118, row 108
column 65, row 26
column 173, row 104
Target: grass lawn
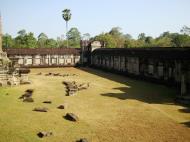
column 113, row 109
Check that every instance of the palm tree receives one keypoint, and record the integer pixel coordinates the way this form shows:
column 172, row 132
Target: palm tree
column 66, row 16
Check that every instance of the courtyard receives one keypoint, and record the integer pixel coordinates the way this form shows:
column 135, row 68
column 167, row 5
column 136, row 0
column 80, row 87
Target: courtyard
column 113, row 108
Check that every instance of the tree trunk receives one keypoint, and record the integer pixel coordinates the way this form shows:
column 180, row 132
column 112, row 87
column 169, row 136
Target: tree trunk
column 67, row 33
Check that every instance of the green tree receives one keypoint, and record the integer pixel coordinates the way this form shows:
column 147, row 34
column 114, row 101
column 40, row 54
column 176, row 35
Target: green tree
column 108, row 40
column 179, row 40
column 66, row 14
column 185, row 30
column 74, row 37
column 148, row 40
column 163, row 41
column 142, row 36
column 86, row 36
column 31, row 41
column 165, row 34
column 42, row 38
column 128, row 36
column 128, row 43
column 8, row 41
column 116, row 31
column 61, row 42
column 24, row 40
column 22, row 33
column 51, row 43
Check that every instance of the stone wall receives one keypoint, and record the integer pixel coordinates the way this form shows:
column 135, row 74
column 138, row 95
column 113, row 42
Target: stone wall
column 167, row 66
column 45, row 60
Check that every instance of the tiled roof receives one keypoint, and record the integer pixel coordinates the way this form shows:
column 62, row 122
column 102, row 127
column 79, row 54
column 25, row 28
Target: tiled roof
column 156, row 52
column 42, row 51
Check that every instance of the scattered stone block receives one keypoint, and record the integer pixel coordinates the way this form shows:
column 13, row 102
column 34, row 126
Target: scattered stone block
column 71, row 117
column 72, row 87
column 25, row 82
column 30, row 90
column 44, row 134
column 82, row 140
column 40, row 109
column 29, row 100
column 26, row 95
column 83, row 86
column 62, row 106
column 39, row 73
column 47, row 102
column 56, row 74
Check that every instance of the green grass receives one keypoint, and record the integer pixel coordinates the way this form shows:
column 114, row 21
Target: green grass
column 114, row 108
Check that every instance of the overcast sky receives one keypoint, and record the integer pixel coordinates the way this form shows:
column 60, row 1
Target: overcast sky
column 152, row 17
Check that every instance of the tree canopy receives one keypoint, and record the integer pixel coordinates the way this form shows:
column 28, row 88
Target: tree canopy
column 114, row 38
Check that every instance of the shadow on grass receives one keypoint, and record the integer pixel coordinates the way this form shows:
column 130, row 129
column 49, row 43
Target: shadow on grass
column 140, row 90
column 186, row 124
column 185, row 110
column 136, row 89
column 145, row 93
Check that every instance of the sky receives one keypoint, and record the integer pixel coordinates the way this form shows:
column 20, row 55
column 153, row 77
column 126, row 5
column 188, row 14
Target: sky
column 151, row 17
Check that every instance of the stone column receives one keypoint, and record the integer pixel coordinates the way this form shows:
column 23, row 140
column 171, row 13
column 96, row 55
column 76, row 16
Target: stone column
column 183, row 85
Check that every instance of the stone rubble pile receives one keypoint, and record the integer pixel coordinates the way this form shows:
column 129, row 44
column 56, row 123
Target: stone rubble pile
column 72, row 87
column 57, row 74
column 27, row 96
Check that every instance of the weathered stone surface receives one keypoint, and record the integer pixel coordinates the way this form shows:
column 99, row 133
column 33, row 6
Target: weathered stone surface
column 72, row 87
column 30, row 90
column 62, row 106
column 56, row 74
column 30, row 100
column 47, row 102
column 83, row 86
column 40, row 109
column 44, row 134
column 25, row 82
column 26, row 95
column 71, row 117
column 82, row 140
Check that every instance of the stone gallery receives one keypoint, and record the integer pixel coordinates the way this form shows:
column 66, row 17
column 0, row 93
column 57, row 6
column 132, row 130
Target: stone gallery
column 44, row 57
